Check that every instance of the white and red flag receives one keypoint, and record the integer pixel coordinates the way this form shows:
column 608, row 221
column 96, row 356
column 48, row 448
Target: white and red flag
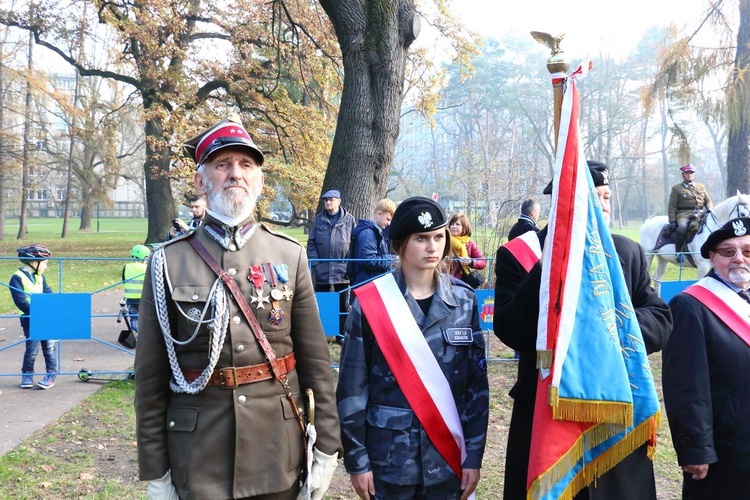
column 595, row 401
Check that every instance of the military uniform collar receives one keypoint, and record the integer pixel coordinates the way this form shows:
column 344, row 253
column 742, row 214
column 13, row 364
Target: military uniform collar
column 230, row 238
column 442, row 301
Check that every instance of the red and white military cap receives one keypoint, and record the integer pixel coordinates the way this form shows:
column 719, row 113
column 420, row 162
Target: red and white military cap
column 226, row 133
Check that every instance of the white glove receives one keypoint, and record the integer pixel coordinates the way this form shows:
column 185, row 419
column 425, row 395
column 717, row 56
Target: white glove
column 320, row 475
column 163, row 489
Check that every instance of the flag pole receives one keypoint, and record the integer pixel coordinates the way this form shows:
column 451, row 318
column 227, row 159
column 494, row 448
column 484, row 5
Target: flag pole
column 556, row 64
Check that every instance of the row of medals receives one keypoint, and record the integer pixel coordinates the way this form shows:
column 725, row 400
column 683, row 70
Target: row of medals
column 276, row 276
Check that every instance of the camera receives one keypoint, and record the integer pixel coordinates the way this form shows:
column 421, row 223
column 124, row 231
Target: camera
column 176, row 224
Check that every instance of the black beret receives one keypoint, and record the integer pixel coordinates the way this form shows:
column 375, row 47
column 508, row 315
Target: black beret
column 416, row 215
column 732, row 229
column 599, row 172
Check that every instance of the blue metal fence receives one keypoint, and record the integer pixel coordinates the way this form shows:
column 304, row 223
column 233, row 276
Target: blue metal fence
column 65, row 316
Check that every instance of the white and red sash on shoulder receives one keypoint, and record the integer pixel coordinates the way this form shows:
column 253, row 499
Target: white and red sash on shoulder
column 414, row 366
column 526, row 249
column 725, row 303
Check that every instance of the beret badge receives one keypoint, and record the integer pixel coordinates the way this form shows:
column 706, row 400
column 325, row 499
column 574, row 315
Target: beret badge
column 739, row 228
column 425, row 219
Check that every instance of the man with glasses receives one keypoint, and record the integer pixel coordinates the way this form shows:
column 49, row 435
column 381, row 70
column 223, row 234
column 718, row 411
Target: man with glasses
column 686, row 202
column 706, row 375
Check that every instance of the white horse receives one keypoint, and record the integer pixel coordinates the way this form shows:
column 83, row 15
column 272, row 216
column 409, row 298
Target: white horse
column 736, row 206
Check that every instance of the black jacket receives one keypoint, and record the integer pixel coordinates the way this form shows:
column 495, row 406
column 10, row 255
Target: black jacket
column 515, row 323
column 523, row 225
column 706, row 384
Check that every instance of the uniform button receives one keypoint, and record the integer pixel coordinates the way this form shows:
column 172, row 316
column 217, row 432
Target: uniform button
column 232, row 247
column 171, row 424
column 231, row 271
column 195, row 297
column 236, row 320
column 240, row 347
column 241, row 398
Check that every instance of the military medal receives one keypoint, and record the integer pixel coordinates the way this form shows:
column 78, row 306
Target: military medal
column 271, row 277
column 282, row 272
column 257, row 278
column 277, row 313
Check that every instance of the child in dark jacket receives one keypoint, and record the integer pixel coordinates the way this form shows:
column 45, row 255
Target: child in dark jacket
column 27, row 280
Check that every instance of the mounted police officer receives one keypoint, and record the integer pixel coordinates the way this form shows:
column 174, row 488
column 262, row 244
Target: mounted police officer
column 219, row 381
column 687, row 202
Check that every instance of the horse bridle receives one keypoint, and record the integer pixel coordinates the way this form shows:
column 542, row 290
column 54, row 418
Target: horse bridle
column 704, row 223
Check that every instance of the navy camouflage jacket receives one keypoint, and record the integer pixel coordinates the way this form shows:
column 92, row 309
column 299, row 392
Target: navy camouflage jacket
column 380, row 432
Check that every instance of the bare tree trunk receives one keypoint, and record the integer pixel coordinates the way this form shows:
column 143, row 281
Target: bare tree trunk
column 738, row 155
column 664, row 158
column 72, row 132
column 71, row 149
column 26, row 140
column 3, row 152
column 647, row 211
column 374, row 37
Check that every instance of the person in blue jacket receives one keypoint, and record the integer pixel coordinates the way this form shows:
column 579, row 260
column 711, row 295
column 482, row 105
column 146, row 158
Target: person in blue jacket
column 369, row 251
column 27, row 280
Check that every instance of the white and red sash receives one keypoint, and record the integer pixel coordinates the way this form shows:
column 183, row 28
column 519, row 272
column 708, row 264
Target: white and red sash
column 731, row 309
column 414, row 366
column 526, row 249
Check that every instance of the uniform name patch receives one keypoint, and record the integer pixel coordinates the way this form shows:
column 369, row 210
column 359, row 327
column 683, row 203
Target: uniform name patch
column 458, row 336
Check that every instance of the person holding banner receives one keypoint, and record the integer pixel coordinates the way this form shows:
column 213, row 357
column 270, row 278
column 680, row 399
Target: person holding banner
column 515, row 321
column 705, row 373
column 413, row 394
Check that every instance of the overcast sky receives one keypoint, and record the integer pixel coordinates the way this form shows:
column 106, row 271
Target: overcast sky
column 591, row 27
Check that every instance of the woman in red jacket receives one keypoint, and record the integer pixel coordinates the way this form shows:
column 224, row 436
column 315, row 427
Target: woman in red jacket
column 467, row 256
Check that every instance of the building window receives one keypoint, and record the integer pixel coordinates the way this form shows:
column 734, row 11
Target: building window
column 37, row 194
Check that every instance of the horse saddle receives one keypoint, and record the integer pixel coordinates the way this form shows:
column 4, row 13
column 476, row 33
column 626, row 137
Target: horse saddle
column 666, row 236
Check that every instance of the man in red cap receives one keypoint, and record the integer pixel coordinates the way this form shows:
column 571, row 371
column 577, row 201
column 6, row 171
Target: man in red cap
column 687, row 201
column 219, row 381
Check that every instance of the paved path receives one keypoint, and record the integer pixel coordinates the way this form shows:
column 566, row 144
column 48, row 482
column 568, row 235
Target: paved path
column 24, row 411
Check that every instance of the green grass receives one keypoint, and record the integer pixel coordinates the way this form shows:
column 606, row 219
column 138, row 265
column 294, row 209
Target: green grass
column 103, row 253
column 79, row 454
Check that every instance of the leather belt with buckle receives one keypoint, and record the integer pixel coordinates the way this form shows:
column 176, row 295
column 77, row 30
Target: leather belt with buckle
column 231, row 377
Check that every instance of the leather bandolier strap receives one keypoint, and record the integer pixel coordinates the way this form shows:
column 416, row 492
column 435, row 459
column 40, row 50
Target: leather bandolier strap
column 270, row 354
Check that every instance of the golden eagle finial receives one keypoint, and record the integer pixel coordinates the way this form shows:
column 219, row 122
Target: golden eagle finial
column 553, row 42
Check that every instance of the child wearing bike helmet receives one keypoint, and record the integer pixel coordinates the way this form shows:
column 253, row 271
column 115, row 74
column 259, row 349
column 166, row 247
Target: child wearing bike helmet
column 27, row 280
column 132, row 276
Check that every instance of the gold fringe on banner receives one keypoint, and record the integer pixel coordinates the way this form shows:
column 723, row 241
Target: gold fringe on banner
column 544, row 359
column 554, row 396
column 577, row 410
column 643, row 433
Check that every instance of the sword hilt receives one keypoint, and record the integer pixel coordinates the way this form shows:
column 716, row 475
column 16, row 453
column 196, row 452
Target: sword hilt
column 310, row 406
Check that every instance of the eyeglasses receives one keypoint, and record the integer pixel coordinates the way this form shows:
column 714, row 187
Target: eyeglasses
column 730, row 252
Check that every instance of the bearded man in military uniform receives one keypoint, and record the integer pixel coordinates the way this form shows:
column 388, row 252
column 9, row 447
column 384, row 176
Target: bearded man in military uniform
column 213, row 420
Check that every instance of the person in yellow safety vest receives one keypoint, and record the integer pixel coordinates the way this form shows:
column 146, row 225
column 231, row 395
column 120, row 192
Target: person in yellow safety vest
column 27, row 280
column 132, row 275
